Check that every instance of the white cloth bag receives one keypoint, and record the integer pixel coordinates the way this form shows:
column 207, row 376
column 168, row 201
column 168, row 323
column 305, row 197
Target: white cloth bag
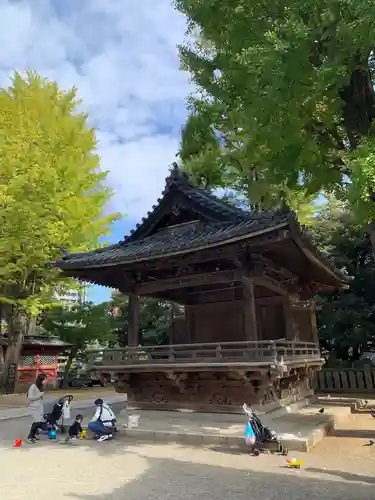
column 133, row 421
column 66, row 411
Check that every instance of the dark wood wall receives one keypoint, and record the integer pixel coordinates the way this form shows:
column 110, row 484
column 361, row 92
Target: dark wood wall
column 215, row 322
column 224, row 322
column 302, row 325
column 179, row 331
column 270, row 322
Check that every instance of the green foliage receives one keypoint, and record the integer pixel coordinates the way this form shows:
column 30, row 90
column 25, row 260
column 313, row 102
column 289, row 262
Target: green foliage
column 346, row 318
column 155, row 316
column 52, row 191
column 81, row 325
column 285, row 101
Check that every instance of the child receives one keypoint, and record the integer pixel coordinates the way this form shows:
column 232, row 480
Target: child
column 75, row 429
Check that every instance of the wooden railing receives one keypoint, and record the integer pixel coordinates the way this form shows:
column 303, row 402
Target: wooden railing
column 224, row 352
column 344, row 380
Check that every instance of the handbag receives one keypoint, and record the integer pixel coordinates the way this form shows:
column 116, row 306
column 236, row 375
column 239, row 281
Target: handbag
column 249, row 435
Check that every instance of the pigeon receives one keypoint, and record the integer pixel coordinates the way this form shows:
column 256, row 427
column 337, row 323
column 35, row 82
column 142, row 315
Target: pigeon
column 371, row 442
column 321, row 410
column 372, row 413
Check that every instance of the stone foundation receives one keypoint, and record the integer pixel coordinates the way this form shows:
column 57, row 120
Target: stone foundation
column 215, row 390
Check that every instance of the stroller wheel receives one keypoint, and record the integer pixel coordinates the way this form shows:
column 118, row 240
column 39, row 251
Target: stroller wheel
column 284, row 451
column 256, row 452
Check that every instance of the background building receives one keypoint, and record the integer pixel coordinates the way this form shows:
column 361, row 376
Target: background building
column 73, row 296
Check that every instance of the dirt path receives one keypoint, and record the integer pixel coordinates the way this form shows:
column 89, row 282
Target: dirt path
column 340, row 467
column 139, row 471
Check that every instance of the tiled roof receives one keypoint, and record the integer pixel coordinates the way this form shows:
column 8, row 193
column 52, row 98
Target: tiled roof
column 176, row 239
column 201, row 199
column 44, row 341
column 217, row 223
column 37, row 341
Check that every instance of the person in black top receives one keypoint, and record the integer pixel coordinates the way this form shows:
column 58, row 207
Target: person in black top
column 75, row 429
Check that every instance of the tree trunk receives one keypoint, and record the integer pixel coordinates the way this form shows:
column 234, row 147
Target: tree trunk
column 2, row 364
column 372, row 238
column 68, row 367
column 17, row 325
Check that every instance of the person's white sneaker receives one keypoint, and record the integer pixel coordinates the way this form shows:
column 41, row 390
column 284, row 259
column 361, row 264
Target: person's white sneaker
column 104, row 438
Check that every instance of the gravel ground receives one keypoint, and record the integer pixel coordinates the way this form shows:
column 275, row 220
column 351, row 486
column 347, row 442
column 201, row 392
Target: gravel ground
column 339, row 468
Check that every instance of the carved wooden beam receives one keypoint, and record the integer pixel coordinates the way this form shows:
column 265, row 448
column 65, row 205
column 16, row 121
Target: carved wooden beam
column 188, row 281
column 271, row 284
column 270, row 264
column 225, row 252
column 264, row 240
column 269, row 301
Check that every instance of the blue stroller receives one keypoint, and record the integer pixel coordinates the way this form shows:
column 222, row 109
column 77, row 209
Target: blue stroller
column 259, row 437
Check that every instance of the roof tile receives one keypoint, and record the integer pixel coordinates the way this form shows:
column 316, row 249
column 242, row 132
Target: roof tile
column 174, row 239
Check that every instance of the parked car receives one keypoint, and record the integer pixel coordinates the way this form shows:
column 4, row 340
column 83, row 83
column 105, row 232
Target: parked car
column 80, row 380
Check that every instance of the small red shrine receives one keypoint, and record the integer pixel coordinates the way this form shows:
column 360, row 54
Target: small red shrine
column 39, row 355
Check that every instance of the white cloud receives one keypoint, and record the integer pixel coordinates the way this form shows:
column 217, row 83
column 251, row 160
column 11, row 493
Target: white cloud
column 122, row 56
column 140, row 178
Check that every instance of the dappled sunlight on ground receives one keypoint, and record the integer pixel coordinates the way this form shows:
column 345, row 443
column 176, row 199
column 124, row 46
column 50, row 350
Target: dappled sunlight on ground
column 123, row 469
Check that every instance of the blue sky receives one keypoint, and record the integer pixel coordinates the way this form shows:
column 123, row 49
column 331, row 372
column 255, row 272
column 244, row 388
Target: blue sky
column 122, row 57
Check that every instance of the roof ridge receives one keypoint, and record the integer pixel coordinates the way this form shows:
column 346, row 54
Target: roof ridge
column 94, row 250
column 179, row 179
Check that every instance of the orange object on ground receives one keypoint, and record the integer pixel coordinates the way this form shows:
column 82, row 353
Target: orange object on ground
column 17, row 443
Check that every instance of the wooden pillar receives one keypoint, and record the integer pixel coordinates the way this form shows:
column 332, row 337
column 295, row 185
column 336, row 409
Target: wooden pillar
column 314, row 329
column 249, row 310
column 133, row 319
column 288, row 319
column 189, row 324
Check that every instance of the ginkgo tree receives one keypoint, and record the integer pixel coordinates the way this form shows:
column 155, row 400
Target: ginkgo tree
column 285, row 99
column 53, row 194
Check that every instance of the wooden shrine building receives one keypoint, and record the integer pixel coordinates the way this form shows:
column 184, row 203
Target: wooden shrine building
column 246, row 281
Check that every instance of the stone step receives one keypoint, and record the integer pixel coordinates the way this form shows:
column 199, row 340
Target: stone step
column 357, row 405
column 299, row 431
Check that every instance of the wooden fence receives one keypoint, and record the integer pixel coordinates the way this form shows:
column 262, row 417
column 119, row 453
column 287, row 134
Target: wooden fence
column 208, row 353
column 336, row 380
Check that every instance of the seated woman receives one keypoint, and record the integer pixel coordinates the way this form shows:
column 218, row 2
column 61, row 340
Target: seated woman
column 103, row 422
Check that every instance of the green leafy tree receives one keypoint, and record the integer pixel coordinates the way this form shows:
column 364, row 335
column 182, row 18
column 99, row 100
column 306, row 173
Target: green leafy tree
column 52, row 195
column 155, row 318
column 215, row 162
column 284, row 100
column 346, row 319
column 81, row 326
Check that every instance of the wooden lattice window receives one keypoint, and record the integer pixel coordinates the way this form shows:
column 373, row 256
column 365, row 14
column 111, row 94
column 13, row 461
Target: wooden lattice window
column 47, row 360
column 27, row 361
